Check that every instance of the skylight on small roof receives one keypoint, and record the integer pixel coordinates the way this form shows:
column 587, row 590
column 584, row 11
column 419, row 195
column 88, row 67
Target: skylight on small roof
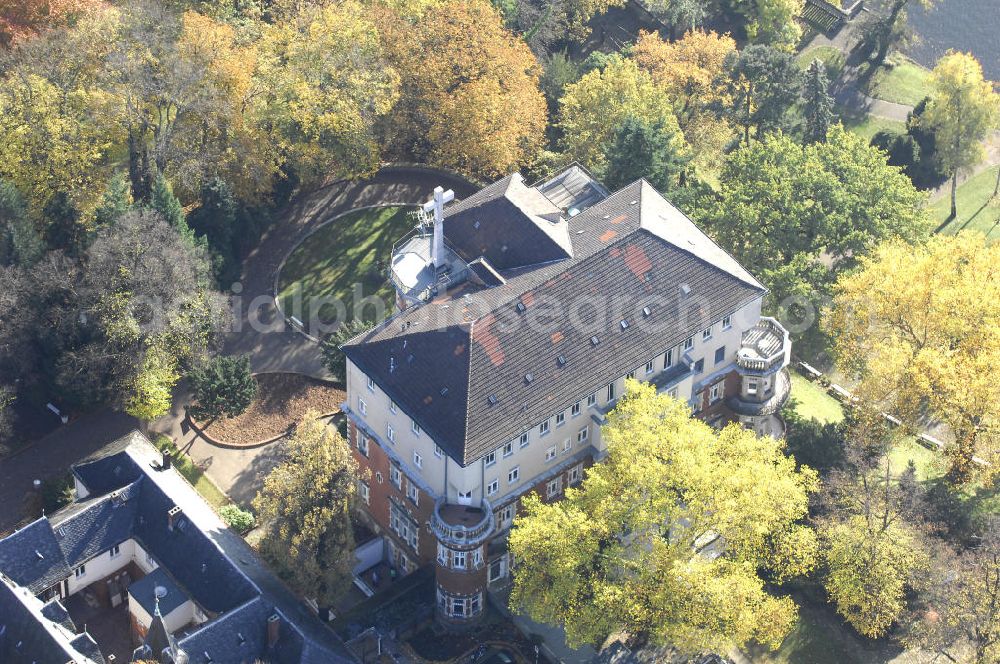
column 561, row 360
column 645, row 312
column 594, row 341
column 624, row 324
column 492, row 399
column 520, row 307
column 528, row 377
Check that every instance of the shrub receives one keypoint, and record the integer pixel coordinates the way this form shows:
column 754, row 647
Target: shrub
column 236, row 518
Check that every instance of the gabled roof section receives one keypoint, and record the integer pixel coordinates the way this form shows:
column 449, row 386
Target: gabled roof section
column 28, row 636
column 31, row 557
column 510, row 224
column 508, row 365
column 661, row 218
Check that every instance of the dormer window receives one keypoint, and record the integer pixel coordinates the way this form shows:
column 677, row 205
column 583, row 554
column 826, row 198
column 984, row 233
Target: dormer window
column 594, row 341
column 520, row 307
column 624, row 324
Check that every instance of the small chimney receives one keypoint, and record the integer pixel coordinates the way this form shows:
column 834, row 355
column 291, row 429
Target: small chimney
column 273, row 630
column 166, row 460
column 173, row 515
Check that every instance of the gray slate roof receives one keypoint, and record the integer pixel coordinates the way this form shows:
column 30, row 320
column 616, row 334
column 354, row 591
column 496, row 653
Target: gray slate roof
column 28, row 636
column 459, row 365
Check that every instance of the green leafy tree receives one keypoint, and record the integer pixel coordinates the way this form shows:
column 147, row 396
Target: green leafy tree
column 593, row 109
column 305, row 509
column 668, row 538
column 238, row 519
column 7, row 398
column 818, row 103
column 333, row 358
column 19, row 240
column 163, row 201
column 65, row 229
column 963, row 110
column 762, row 85
column 872, row 552
column 783, row 205
column 645, row 150
column 115, row 202
column 224, row 386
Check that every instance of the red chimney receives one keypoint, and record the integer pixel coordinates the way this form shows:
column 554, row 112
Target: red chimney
column 273, row 630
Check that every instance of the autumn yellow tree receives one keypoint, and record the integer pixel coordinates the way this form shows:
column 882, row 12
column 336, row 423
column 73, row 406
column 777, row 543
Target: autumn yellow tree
column 305, row 509
column 469, row 93
column 919, row 327
column 963, row 110
column 667, row 537
column 690, row 70
column 56, row 116
column 325, row 83
column 592, row 109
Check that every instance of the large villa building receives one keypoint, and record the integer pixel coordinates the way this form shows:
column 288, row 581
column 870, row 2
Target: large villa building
column 522, row 311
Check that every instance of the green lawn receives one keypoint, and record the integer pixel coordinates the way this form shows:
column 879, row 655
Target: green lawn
column 975, row 209
column 901, row 81
column 832, row 57
column 867, row 126
column 812, row 401
column 348, row 255
column 930, row 464
column 192, row 473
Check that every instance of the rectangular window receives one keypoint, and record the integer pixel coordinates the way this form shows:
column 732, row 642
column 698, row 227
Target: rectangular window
column 492, row 487
column 699, row 401
column 630, row 374
column 115, row 551
column 752, row 386
column 364, row 492
column 458, row 559
column 592, row 399
column 567, row 445
column 392, row 406
column 506, row 515
column 699, row 366
column 582, row 434
column 543, row 428
column 649, row 367
column 457, row 607
column 514, row 475
column 491, row 458
column 371, row 384
column 611, row 391
column 553, row 488
column 412, row 492
column 362, row 406
column 390, row 433
column 418, row 460
column 477, row 558
column 362, row 442
column 414, row 427
column 442, row 554
column 524, row 439
column 720, row 354
column 575, row 474
column 508, row 449
column 715, row 393
column 496, row 570
column 706, row 334
column 550, row 453
column 80, row 571
column 575, row 409
column 668, row 359
column 560, row 419
column 438, row 451
column 672, row 393
column 689, row 343
column 395, row 477
column 727, row 322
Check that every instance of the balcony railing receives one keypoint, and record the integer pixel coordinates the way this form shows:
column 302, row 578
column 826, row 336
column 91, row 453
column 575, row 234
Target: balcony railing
column 765, row 347
column 462, row 525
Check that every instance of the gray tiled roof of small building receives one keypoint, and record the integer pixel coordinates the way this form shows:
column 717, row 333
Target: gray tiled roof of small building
column 93, row 526
column 449, row 342
column 221, row 638
column 21, row 562
column 85, row 645
column 57, row 613
column 144, row 592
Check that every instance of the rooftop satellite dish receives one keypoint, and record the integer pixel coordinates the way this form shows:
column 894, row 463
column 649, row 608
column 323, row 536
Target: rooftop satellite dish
column 159, row 592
